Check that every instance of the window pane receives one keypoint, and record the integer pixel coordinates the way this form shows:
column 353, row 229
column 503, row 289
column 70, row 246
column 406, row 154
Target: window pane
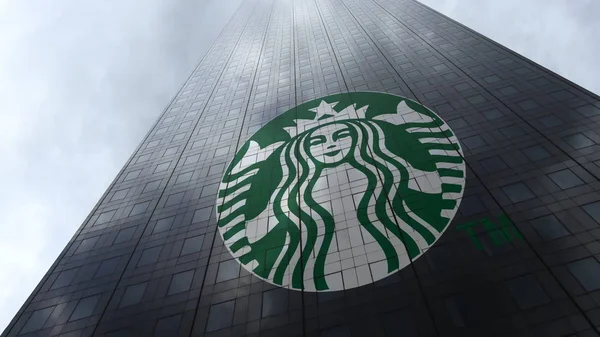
column 149, row 256
column 64, row 278
column 181, row 282
column 133, row 294
column 220, row 316
column 125, row 234
column 37, row 320
column 549, row 227
column 527, row 292
column 87, row 244
column 163, row 224
column 274, row 302
column 84, row 308
column 587, row 272
column 108, row 267
column 192, row 245
column 228, row 270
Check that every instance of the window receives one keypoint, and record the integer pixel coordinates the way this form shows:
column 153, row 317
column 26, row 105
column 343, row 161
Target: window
column 458, row 123
column 528, row 104
column 85, row 308
column 474, row 142
column 471, row 205
column 476, row 99
column 153, row 143
column 119, row 194
column 181, row 282
column 510, row 90
column 64, row 278
column 565, row 179
column 184, row 178
column 588, row 110
column 161, row 131
column 593, row 209
column 37, row 320
column 274, row 302
column 228, row 270
column 151, row 186
column 209, row 190
column 587, row 272
column 527, row 292
column 191, row 159
column 220, row 316
column 133, row 294
column 87, row 244
column 105, row 217
column 222, row 151
column 124, row 235
column 192, row 245
column 216, row 169
column 149, row 256
column 86, row 272
column 139, row 208
column 202, row 214
column 536, row 152
column 512, row 131
column 492, row 114
column 549, row 227
column 142, row 158
column 163, row 224
column 518, row 192
column 492, row 79
column 170, row 151
column 178, row 136
column 174, row 199
column 493, row 164
column 550, row 121
column 578, row 141
column 107, row 267
column 162, row 167
column 132, row 175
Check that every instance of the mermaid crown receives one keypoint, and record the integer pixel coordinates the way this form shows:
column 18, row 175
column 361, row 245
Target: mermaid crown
column 325, row 114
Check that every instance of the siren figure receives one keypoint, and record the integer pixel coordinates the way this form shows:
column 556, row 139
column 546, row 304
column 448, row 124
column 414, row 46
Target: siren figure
column 295, row 238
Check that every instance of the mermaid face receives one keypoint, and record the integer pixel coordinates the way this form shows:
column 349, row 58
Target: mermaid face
column 331, row 144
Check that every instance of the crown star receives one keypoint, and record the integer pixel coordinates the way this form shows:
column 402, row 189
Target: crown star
column 324, row 109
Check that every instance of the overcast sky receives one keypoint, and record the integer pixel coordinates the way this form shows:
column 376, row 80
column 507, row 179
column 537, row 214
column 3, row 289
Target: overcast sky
column 82, row 81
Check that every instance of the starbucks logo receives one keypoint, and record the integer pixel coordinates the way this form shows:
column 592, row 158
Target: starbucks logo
column 341, row 191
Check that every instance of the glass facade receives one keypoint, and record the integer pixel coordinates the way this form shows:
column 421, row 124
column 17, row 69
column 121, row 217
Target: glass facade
column 500, row 237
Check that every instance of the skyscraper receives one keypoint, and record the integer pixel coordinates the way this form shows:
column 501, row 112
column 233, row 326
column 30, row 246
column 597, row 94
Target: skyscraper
column 345, row 168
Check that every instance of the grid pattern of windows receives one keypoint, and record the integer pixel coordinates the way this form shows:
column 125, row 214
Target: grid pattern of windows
column 519, row 259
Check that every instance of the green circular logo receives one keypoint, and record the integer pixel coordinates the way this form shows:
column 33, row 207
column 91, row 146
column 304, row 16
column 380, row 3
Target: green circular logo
column 341, row 191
